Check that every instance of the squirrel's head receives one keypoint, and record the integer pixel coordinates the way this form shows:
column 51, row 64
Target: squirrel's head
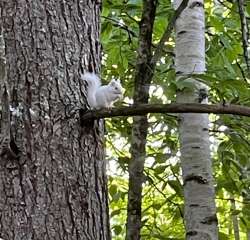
column 116, row 86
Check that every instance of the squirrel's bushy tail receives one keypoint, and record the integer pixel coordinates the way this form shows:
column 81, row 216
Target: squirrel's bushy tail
column 94, row 83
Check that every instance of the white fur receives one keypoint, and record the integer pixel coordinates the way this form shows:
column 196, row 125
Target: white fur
column 102, row 96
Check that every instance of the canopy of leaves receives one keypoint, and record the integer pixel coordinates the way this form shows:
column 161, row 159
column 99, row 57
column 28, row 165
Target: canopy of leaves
column 228, row 80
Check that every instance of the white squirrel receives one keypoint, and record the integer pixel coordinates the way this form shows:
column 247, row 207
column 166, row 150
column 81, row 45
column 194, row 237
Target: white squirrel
column 99, row 96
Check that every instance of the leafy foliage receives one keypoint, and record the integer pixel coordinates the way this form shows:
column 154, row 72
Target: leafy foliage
column 228, row 80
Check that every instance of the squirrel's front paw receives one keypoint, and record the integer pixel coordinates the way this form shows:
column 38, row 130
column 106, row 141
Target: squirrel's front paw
column 110, row 106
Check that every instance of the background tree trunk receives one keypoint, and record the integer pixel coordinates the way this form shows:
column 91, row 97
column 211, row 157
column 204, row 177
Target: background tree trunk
column 52, row 178
column 200, row 213
column 234, row 217
column 143, row 76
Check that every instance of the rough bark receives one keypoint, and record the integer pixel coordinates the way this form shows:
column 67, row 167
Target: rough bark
column 244, row 33
column 246, row 209
column 235, row 220
column 246, row 213
column 143, row 76
column 52, row 175
column 200, row 213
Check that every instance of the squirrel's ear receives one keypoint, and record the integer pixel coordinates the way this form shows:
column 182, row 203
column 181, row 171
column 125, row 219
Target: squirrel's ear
column 112, row 82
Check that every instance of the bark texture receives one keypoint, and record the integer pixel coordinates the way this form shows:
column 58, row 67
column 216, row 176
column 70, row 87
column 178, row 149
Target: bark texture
column 235, row 219
column 143, row 76
column 244, row 33
column 200, row 213
column 52, row 170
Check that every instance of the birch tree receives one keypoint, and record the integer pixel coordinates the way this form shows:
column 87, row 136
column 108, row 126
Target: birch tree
column 200, row 213
column 52, row 172
column 228, row 81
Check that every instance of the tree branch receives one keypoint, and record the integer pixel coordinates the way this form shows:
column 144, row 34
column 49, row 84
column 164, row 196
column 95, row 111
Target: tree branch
column 143, row 109
column 121, row 25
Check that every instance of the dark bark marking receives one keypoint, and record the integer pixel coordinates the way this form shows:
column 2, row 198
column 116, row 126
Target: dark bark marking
column 196, row 178
column 191, row 233
column 71, row 211
column 14, row 149
column 194, row 205
column 202, row 95
column 196, row 4
column 195, row 147
column 63, row 11
column 179, row 33
column 88, row 124
column 210, row 220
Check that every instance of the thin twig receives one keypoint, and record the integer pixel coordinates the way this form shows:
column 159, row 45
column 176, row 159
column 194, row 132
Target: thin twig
column 242, row 71
column 226, row 6
column 165, row 196
column 133, row 19
column 230, row 199
column 121, row 25
column 166, row 35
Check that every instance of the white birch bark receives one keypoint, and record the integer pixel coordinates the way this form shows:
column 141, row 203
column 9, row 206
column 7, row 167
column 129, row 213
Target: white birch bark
column 200, row 212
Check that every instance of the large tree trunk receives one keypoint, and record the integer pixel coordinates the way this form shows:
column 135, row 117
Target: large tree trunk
column 52, row 170
column 200, row 212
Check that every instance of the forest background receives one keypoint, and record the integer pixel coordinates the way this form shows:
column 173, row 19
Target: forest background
column 227, row 76
column 53, row 164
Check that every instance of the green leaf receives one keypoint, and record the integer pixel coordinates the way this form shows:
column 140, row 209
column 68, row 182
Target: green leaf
column 157, row 206
column 159, row 169
column 174, row 184
column 181, row 84
column 223, row 236
column 115, row 212
column 216, row 23
column 117, row 229
column 235, row 212
column 113, row 190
